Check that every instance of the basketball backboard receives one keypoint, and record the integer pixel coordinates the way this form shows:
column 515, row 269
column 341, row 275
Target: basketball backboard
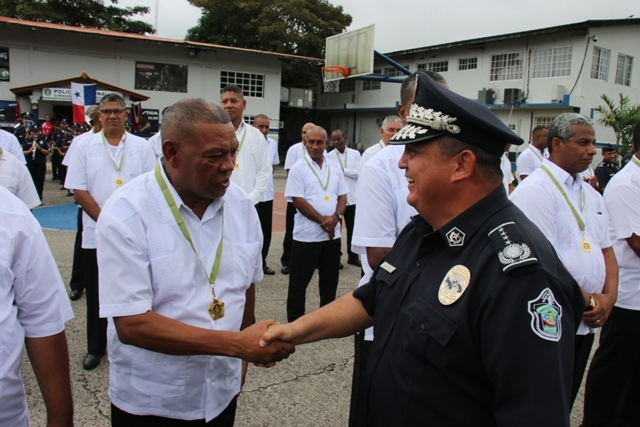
column 353, row 50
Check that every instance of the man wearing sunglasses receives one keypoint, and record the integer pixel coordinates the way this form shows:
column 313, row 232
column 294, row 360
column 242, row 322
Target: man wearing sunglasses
column 100, row 165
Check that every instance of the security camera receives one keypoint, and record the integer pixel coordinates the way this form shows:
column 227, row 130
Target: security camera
column 595, row 39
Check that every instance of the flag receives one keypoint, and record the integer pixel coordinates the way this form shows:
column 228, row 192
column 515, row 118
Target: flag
column 82, row 97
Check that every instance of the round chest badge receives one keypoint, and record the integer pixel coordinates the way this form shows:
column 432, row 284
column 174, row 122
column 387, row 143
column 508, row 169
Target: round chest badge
column 454, row 284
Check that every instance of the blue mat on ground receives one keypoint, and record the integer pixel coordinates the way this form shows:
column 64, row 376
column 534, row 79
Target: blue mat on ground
column 60, row 217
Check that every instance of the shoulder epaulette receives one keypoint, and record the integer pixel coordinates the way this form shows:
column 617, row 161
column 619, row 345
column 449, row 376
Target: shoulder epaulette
column 510, row 247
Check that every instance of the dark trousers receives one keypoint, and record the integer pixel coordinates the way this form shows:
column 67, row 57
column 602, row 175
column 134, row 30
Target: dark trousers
column 265, row 214
column 38, row 172
column 55, row 164
column 285, row 259
column 305, row 258
column 582, row 350
column 77, row 282
column 613, row 381
column 349, row 218
column 119, row 418
column 62, row 173
column 356, row 409
column 96, row 327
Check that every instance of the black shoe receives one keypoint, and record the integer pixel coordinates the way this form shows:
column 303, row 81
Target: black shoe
column 355, row 261
column 284, row 269
column 91, row 361
column 340, row 266
column 75, row 295
column 266, row 270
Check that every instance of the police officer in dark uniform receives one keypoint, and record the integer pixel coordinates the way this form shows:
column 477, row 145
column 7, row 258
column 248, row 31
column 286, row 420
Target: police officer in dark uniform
column 36, row 150
column 607, row 167
column 475, row 316
column 61, row 139
column 21, row 130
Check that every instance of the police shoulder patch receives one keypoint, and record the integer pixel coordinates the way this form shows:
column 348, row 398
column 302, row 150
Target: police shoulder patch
column 512, row 251
column 545, row 316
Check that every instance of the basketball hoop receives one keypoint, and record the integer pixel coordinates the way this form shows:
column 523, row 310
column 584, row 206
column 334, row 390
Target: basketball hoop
column 331, row 72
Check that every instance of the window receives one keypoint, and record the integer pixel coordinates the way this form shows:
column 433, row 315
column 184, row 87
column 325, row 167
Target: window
column 543, row 121
column 467, row 64
column 512, row 126
column 394, row 72
column 436, row 67
column 508, row 66
column 600, row 65
column 370, row 84
column 623, row 70
column 249, row 119
column 347, row 85
column 251, row 84
column 553, row 62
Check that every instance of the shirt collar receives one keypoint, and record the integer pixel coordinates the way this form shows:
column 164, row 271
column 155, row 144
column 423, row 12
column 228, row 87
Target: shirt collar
column 459, row 231
column 212, row 209
column 570, row 182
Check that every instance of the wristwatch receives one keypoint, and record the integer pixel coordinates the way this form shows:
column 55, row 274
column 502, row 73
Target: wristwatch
column 337, row 215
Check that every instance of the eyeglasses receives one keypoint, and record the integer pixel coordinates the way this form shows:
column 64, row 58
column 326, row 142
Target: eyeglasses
column 116, row 111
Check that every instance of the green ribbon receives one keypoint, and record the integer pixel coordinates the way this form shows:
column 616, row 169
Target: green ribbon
column 635, row 160
column 104, row 143
column 183, row 227
column 566, row 198
column 537, row 155
column 326, row 184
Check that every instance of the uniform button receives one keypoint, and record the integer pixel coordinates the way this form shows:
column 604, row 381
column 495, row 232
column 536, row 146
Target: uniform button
column 424, row 325
column 419, row 263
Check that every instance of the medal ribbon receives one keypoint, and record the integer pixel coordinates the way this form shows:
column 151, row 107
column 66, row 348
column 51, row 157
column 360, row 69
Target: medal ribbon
column 244, row 135
column 313, row 169
column 634, row 159
column 183, row 227
column 346, row 152
column 381, row 144
column 536, row 153
column 566, row 198
column 104, row 143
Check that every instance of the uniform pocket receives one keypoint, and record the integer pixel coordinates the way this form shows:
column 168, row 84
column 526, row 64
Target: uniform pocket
column 246, row 257
column 158, row 374
column 426, row 338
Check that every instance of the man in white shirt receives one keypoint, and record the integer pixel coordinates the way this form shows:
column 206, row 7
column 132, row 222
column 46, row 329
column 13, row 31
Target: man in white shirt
column 179, row 256
column 265, row 206
column 101, row 164
column 15, row 177
column 611, row 391
column 348, row 159
column 317, row 188
column 34, row 309
column 531, row 158
column 390, row 126
column 294, row 154
column 76, row 283
column 507, row 173
column 253, row 168
column 10, row 144
column 573, row 216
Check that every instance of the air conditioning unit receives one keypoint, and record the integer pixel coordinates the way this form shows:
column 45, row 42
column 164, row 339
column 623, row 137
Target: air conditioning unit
column 512, row 95
column 557, row 93
column 486, row 96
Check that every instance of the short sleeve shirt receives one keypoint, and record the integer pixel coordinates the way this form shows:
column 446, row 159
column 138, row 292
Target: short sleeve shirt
column 146, row 264
column 622, row 197
column 253, row 167
column 529, row 160
column 10, row 143
column 348, row 162
column 15, row 177
column 33, row 300
column 274, row 159
column 369, row 153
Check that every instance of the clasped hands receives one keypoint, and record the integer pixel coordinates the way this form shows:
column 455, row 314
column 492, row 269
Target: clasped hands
column 265, row 343
column 329, row 225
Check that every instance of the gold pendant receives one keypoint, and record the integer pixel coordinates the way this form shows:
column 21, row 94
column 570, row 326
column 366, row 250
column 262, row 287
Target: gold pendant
column 454, row 284
column 586, row 246
column 236, row 166
column 216, row 309
column 119, row 182
column 326, row 198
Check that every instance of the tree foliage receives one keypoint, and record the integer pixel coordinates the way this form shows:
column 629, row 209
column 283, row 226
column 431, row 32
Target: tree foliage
column 297, row 27
column 79, row 13
column 622, row 118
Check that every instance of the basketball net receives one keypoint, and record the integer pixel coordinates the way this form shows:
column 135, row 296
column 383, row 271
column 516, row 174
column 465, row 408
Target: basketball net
column 333, row 86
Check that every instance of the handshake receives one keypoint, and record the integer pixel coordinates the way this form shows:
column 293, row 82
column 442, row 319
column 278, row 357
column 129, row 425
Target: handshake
column 266, row 342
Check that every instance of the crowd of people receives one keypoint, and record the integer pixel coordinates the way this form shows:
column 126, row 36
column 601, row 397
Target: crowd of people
column 484, row 296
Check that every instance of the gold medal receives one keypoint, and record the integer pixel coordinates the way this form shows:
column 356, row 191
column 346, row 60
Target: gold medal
column 454, row 284
column 236, row 166
column 326, row 198
column 586, row 246
column 216, row 309
column 119, row 182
